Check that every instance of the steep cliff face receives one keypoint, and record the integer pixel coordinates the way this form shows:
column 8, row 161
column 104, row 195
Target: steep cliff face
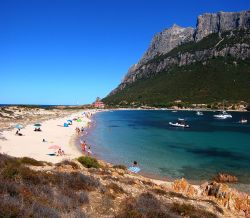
column 221, row 22
column 166, row 40
column 216, row 35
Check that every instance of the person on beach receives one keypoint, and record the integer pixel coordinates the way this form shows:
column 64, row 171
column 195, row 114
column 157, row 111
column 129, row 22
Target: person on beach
column 78, row 130
column 18, row 133
column 60, row 152
column 82, row 129
column 89, row 151
column 83, row 146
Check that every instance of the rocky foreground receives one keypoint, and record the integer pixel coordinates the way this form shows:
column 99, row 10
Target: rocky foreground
column 86, row 188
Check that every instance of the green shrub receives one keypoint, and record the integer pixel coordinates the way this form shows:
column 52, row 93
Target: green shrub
column 88, row 162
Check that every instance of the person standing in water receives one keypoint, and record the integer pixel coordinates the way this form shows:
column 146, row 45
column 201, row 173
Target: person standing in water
column 89, row 151
column 83, row 146
column 135, row 164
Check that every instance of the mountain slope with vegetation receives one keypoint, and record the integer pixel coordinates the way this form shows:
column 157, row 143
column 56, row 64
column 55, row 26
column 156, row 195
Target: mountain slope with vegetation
column 213, row 81
column 210, row 66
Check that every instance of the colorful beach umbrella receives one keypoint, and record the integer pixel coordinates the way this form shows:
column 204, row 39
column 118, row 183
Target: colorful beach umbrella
column 37, row 125
column 79, row 120
column 54, row 147
column 19, row 126
column 69, row 121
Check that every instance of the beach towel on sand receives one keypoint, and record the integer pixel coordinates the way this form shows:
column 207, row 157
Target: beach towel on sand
column 134, row 169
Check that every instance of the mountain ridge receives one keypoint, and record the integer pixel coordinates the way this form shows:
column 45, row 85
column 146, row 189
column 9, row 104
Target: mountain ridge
column 216, row 35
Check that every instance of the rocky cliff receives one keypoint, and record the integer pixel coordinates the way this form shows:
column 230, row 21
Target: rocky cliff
column 224, row 34
column 221, row 22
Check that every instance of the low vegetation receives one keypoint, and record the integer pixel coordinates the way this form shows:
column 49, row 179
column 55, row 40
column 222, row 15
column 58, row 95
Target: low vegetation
column 88, row 162
column 67, row 162
column 28, row 193
column 58, row 191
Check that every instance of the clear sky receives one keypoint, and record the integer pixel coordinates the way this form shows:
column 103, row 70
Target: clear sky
column 71, row 51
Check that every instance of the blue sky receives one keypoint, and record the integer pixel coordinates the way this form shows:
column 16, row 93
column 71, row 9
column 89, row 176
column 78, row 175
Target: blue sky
column 69, row 51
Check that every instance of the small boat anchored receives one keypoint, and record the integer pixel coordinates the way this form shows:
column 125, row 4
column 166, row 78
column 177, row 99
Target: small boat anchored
column 243, row 121
column 179, row 123
column 223, row 115
column 199, row 113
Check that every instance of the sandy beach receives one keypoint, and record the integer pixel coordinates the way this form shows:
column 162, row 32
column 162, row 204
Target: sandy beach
column 31, row 143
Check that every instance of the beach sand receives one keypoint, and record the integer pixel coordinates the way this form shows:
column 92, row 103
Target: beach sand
column 31, row 143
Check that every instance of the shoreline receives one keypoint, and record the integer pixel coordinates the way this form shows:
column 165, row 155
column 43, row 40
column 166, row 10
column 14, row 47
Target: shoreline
column 163, row 179
column 177, row 109
column 71, row 147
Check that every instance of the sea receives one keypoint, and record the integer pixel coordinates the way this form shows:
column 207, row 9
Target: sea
column 197, row 153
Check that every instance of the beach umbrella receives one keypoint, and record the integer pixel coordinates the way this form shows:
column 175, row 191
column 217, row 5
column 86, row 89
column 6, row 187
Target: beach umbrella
column 19, row 126
column 79, row 120
column 54, row 147
column 37, row 125
column 69, row 121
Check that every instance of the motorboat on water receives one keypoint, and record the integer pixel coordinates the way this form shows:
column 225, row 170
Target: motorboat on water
column 199, row 113
column 243, row 121
column 174, row 111
column 223, row 115
column 179, row 123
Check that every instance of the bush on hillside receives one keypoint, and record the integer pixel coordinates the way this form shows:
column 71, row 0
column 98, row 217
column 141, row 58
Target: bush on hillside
column 31, row 161
column 67, row 162
column 191, row 211
column 89, row 162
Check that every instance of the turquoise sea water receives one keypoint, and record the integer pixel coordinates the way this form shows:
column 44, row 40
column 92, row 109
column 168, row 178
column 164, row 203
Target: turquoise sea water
column 209, row 146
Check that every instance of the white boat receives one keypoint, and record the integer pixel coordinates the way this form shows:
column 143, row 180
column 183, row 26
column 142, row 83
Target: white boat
column 199, row 113
column 243, row 121
column 173, row 111
column 179, row 123
column 223, row 115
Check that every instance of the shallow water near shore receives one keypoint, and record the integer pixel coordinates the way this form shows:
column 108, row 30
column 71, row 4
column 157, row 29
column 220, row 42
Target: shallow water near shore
column 197, row 153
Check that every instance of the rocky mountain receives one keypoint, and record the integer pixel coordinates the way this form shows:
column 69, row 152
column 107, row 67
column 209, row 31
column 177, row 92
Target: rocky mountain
column 221, row 22
column 216, row 36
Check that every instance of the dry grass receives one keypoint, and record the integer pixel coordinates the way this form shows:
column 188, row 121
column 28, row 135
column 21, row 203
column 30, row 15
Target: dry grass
column 28, row 193
column 122, row 167
column 67, row 162
column 189, row 210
